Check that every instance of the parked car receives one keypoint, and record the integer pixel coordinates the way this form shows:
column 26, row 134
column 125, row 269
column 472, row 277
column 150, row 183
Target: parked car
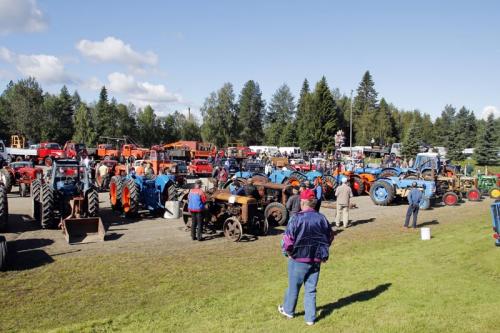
column 200, row 167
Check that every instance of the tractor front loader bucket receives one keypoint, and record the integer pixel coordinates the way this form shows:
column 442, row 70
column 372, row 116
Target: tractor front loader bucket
column 79, row 230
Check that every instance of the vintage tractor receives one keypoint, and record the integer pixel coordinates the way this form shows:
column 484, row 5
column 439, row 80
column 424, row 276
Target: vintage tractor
column 489, row 185
column 24, row 174
column 385, row 190
column 234, row 214
column 133, row 193
column 66, row 198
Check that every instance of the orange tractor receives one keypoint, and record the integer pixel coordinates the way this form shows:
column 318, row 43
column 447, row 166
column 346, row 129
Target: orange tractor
column 360, row 183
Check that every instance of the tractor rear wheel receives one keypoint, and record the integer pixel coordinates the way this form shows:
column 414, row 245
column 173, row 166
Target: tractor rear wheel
column 474, row 195
column 276, row 213
column 358, row 187
column 36, row 187
column 3, row 253
column 450, row 198
column 6, row 178
column 382, row 193
column 4, row 209
column 329, row 185
column 186, row 214
column 46, row 207
column 232, row 229
column 115, row 192
column 295, row 179
column 92, row 202
column 130, row 198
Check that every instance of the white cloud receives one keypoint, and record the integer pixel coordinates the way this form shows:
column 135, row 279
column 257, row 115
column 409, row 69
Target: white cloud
column 92, row 84
column 112, row 49
column 20, row 16
column 490, row 109
column 46, row 68
column 141, row 93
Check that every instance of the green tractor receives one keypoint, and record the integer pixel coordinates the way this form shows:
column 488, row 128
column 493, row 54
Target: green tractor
column 489, row 185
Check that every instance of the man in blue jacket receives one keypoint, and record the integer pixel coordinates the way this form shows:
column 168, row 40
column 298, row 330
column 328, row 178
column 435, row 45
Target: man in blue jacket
column 196, row 206
column 306, row 242
column 414, row 199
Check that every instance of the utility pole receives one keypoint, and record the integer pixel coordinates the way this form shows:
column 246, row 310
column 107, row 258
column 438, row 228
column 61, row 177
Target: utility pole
column 350, row 128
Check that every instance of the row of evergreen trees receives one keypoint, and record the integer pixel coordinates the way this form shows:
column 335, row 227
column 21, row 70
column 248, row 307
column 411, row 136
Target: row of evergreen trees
column 310, row 122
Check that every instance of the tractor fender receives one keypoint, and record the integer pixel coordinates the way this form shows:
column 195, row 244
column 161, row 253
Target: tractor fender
column 161, row 182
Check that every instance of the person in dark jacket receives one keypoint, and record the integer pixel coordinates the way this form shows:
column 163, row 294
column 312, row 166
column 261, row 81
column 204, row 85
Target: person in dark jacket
column 293, row 202
column 196, row 206
column 306, row 242
column 414, row 199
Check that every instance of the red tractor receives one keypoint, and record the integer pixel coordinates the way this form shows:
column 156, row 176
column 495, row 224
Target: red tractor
column 24, row 173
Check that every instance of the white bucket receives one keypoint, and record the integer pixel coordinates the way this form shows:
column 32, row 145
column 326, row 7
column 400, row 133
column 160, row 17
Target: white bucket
column 425, row 233
column 172, row 210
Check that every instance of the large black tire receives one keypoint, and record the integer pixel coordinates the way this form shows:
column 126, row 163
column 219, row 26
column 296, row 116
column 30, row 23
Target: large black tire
column 7, row 180
column 115, row 192
column 3, row 253
column 36, row 187
column 130, row 198
column 4, row 209
column 388, row 172
column 276, row 214
column 376, row 191
column 92, row 202
column 296, row 178
column 46, row 207
column 357, row 185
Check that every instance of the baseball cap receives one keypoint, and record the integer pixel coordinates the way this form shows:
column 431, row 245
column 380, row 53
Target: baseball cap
column 307, row 194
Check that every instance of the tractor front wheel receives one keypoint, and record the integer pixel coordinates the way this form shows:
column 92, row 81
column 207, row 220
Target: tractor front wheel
column 382, row 193
column 450, row 198
column 232, row 229
column 92, row 202
column 3, row 253
column 474, row 195
column 115, row 192
column 130, row 198
column 495, row 193
column 36, row 187
column 358, row 187
column 47, row 207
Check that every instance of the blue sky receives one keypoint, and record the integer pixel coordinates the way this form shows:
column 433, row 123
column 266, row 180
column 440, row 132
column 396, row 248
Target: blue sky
column 172, row 54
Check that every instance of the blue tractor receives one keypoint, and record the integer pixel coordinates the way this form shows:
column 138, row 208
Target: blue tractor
column 132, row 193
column 385, row 191
column 495, row 217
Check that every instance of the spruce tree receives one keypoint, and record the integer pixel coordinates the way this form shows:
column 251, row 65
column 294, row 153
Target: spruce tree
column 486, row 152
column 365, row 106
column 101, row 112
column 443, row 126
column 384, row 123
column 65, row 117
column 325, row 117
column 251, row 111
column 84, row 131
column 411, row 142
column 280, row 113
column 305, row 119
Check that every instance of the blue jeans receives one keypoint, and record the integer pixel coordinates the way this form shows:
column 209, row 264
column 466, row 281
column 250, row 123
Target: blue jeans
column 302, row 273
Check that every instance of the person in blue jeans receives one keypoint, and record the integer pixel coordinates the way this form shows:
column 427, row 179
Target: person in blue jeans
column 414, row 199
column 306, row 243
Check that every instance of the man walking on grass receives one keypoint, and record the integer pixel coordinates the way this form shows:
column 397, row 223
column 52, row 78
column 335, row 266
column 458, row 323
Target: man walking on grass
column 306, row 242
column 414, row 199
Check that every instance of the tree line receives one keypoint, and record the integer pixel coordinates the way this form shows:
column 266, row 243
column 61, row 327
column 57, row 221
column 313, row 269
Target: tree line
column 310, row 121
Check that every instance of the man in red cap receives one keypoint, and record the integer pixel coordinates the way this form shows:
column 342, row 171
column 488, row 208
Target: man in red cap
column 306, row 242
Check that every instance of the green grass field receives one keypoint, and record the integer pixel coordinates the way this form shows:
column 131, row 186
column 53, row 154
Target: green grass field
column 392, row 283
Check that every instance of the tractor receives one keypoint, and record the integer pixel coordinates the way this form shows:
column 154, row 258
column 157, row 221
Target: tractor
column 489, row 185
column 133, row 192
column 24, row 174
column 233, row 214
column 66, row 198
column 495, row 217
column 384, row 191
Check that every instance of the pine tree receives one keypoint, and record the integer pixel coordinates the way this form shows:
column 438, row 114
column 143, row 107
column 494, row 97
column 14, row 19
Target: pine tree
column 101, row 113
column 288, row 136
column 305, row 127
column 65, row 116
column 384, row 123
column 443, row 126
column 411, row 142
column 326, row 116
column 251, row 111
column 84, row 131
column 365, row 106
column 486, row 152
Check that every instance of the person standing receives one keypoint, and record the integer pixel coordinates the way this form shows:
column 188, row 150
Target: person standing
column 223, row 176
column 414, row 199
column 293, row 202
column 306, row 243
column 318, row 191
column 196, row 206
column 343, row 193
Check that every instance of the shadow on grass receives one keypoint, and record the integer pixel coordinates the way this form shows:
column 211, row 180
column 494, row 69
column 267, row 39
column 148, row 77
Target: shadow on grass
column 358, row 222
column 24, row 260
column 363, row 296
column 433, row 222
